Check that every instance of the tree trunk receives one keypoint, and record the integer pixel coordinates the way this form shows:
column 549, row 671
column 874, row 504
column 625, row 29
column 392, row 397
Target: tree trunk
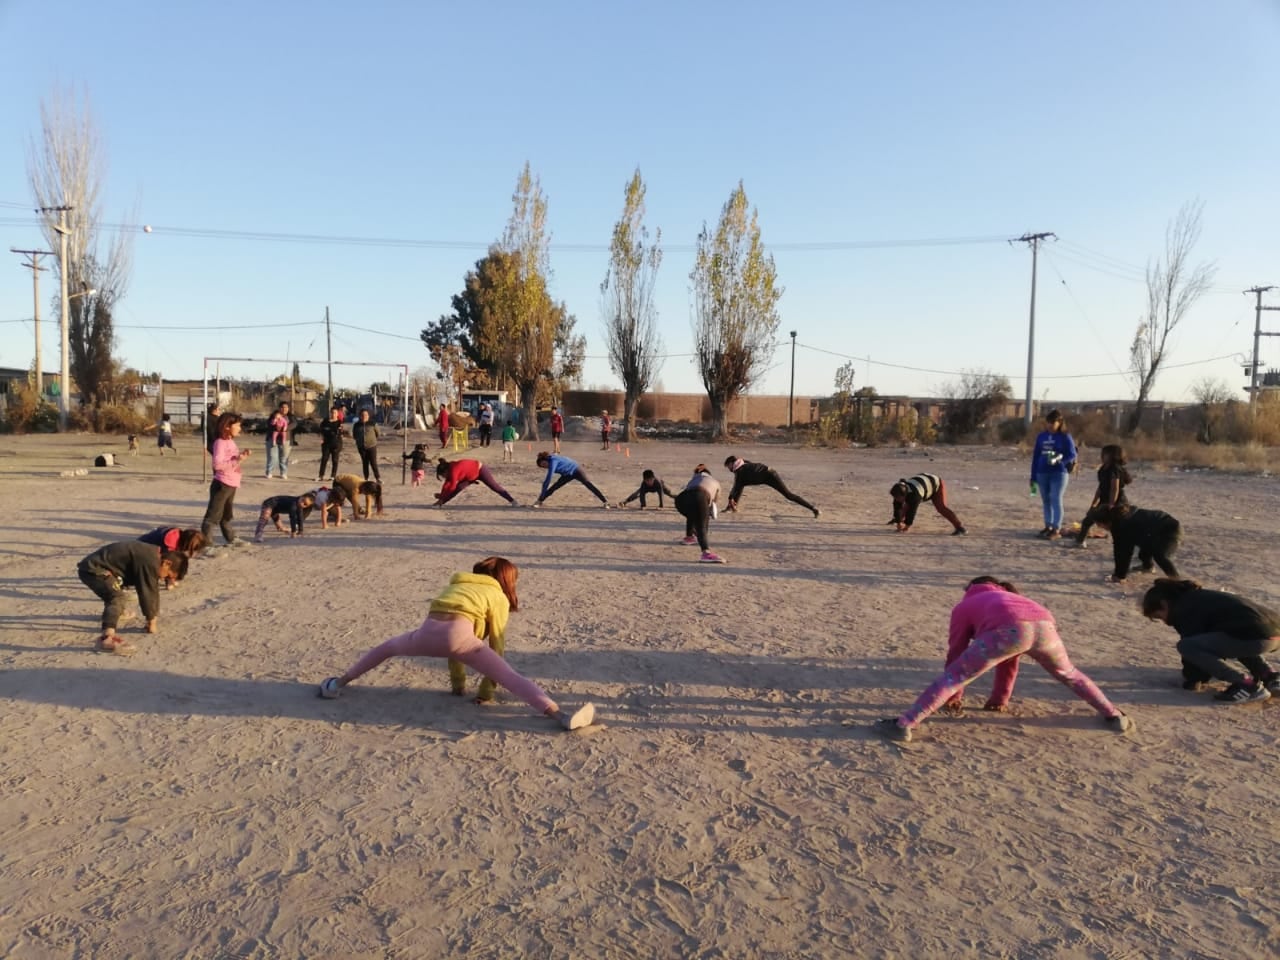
column 719, row 418
column 629, row 404
column 529, row 404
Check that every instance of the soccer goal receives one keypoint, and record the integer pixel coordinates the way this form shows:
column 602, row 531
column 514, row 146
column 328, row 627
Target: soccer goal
column 397, row 415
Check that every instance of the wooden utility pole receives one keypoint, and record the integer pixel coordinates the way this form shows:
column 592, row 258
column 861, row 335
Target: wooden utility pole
column 33, row 261
column 1258, row 334
column 328, row 340
column 1034, row 239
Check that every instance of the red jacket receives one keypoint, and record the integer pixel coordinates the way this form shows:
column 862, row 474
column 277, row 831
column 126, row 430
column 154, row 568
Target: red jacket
column 557, row 423
column 459, row 474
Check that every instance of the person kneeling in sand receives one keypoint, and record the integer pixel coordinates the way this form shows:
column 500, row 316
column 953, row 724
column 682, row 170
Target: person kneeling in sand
column 110, row 569
column 474, row 606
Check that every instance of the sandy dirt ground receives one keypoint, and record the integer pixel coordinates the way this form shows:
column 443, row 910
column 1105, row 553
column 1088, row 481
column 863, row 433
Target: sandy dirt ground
column 198, row 800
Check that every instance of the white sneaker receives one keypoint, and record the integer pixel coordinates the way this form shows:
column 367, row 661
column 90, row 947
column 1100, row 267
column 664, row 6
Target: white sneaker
column 584, row 716
column 330, row 689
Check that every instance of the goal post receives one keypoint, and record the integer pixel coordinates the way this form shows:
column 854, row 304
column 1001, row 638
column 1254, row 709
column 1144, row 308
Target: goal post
column 405, row 420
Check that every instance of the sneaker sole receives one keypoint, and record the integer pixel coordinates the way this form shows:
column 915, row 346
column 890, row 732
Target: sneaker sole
column 584, row 716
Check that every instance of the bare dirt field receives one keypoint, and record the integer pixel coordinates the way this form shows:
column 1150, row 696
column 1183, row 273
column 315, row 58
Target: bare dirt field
column 198, row 800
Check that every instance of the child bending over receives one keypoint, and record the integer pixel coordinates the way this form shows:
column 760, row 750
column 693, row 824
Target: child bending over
column 110, row 569
column 295, row 507
column 910, row 492
column 1153, row 533
column 650, row 483
column 1113, row 477
column 473, row 608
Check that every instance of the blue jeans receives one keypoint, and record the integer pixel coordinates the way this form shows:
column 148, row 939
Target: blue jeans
column 278, row 457
column 1053, row 487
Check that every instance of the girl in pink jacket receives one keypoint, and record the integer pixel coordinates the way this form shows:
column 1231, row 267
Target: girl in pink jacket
column 1004, row 625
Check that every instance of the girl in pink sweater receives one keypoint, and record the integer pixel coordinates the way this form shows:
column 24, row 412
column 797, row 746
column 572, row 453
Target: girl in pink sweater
column 1004, row 625
column 226, row 479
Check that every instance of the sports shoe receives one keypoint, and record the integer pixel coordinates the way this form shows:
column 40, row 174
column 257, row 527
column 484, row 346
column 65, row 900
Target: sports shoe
column 330, row 689
column 891, row 728
column 1242, row 693
column 515, row 503
column 1271, row 682
column 816, row 513
column 709, row 557
column 536, row 505
column 1044, row 534
column 959, row 532
column 1053, row 534
column 689, row 541
column 606, row 505
column 1120, row 724
column 584, row 716
column 117, row 645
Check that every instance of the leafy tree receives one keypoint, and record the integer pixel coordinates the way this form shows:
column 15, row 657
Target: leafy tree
column 977, row 395
column 1213, row 396
column 736, row 294
column 66, row 168
column 1173, row 287
column 627, row 304
column 459, row 327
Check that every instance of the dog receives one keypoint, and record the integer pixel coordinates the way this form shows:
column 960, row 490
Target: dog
column 134, row 446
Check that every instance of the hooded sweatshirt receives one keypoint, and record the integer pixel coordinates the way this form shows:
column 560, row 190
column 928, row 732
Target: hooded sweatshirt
column 480, row 599
column 987, row 607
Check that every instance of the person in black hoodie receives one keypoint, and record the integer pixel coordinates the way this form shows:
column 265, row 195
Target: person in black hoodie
column 365, row 433
column 748, row 474
column 130, row 563
column 1153, row 533
column 1214, row 627
column 330, row 442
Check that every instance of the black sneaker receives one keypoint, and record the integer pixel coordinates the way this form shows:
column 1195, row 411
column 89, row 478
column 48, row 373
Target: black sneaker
column 1271, row 682
column 891, row 728
column 959, row 532
column 1244, row 693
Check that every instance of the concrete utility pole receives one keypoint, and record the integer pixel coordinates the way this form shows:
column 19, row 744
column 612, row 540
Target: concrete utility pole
column 328, row 338
column 33, row 261
column 1258, row 334
column 1035, row 240
column 64, row 388
column 792, row 402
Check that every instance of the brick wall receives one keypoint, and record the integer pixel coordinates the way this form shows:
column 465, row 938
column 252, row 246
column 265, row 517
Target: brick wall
column 686, row 407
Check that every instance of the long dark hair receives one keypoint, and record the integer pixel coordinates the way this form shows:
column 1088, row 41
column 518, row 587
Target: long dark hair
column 374, row 489
column 225, row 422
column 1118, row 460
column 1004, row 585
column 1164, row 592
column 505, row 572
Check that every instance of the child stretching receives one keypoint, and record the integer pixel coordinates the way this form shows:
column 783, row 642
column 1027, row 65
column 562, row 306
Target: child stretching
column 474, row 606
column 697, row 504
column 190, row 542
column 1113, row 477
column 1004, row 625
column 273, row 507
column 748, row 474
column 460, row 474
column 567, row 470
column 132, row 563
column 1214, row 627
column 417, row 458
column 960, row 636
column 650, row 483
column 1153, row 533
column 347, row 487
column 909, row 493
column 509, row 437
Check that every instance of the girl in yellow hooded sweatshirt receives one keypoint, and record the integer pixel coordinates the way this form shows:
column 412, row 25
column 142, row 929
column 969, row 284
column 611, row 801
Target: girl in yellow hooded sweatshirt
column 473, row 607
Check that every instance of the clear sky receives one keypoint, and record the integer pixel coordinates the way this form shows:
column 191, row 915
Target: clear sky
column 856, row 127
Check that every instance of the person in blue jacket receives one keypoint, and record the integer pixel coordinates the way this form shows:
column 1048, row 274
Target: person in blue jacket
column 1052, row 463
column 567, row 470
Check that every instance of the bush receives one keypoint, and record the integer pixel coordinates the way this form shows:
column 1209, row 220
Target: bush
column 926, row 432
column 28, row 413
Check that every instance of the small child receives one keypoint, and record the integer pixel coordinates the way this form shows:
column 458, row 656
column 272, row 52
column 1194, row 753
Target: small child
column 509, row 437
column 322, row 498
column 1214, row 627
column 347, row 487
column 131, row 563
column 910, row 492
column 417, row 462
column 1113, row 477
column 606, row 429
column 1153, row 533
column 164, row 435
column 650, row 483
column 273, row 507
column 190, row 543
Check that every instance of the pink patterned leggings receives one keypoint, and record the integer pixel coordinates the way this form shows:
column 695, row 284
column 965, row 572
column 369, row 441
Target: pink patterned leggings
column 453, row 639
column 1038, row 639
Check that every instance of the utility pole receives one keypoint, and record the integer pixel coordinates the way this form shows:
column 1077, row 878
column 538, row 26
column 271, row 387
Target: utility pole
column 792, row 402
column 64, row 388
column 328, row 337
column 1034, row 239
column 33, row 262
column 1257, row 337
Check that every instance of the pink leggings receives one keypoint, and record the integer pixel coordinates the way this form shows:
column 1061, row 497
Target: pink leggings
column 1038, row 639
column 453, row 639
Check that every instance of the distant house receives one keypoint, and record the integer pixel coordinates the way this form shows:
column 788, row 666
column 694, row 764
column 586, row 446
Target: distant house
column 13, row 379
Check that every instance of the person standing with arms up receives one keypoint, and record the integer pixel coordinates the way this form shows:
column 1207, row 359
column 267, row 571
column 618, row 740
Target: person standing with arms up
column 1052, row 462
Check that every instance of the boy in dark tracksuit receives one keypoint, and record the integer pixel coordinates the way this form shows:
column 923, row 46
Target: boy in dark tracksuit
column 296, row 508
column 1153, row 533
column 330, row 442
column 650, row 483
column 748, row 474
column 131, row 563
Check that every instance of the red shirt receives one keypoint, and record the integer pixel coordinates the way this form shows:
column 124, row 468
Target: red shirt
column 460, row 473
column 557, row 423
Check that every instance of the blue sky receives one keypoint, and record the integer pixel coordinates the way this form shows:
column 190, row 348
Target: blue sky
column 847, row 122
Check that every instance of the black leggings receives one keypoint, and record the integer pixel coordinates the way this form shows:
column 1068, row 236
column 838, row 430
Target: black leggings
column 773, row 479
column 368, row 461
column 579, row 475
column 221, row 502
column 325, row 454
column 695, row 506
